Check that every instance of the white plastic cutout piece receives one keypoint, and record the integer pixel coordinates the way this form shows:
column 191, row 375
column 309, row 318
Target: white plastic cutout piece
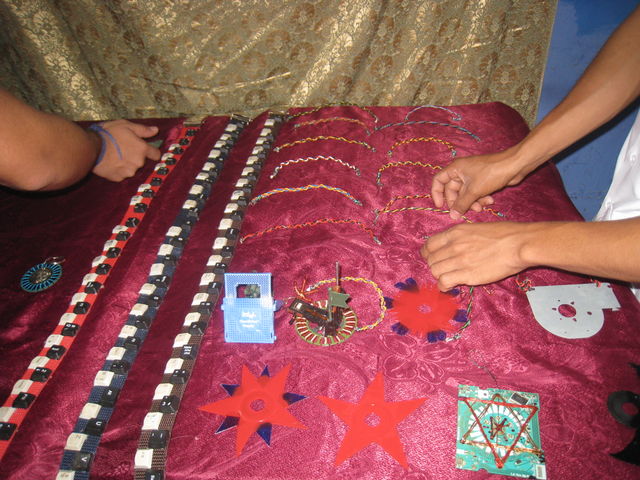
column 572, row 311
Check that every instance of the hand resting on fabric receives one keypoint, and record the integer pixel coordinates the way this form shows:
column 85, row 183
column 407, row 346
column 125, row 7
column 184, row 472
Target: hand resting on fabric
column 487, row 252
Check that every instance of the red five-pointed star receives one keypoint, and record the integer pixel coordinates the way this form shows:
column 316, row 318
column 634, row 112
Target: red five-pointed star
column 256, row 402
column 372, row 421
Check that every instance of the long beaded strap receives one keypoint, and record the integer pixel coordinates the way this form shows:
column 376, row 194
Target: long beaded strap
column 41, row 369
column 151, row 454
column 82, row 444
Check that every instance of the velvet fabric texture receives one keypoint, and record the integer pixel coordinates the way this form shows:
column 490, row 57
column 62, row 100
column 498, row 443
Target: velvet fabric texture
column 503, row 347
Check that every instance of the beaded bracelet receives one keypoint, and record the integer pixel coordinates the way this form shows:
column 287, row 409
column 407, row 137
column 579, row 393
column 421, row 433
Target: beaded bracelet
column 333, row 119
column 403, row 164
column 104, row 135
column 43, row 367
column 455, row 116
column 429, row 122
column 320, row 221
column 303, row 189
column 387, row 209
column 314, row 159
column 423, row 209
column 423, row 139
column 340, row 104
column 323, row 137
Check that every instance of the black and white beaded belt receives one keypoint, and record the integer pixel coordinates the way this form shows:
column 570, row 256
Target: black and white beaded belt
column 82, row 444
column 41, row 369
column 150, row 458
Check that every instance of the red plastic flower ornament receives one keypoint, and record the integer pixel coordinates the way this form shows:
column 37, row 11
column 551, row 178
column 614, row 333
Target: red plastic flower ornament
column 425, row 311
column 255, row 405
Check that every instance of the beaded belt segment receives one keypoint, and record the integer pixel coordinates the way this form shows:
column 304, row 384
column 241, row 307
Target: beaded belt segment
column 150, row 458
column 82, row 444
column 26, row 390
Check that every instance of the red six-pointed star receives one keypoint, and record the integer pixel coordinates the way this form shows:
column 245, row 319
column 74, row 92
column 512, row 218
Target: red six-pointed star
column 373, row 420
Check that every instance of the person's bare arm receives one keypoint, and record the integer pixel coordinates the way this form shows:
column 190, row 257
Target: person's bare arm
column 483, row 253
column 43, row 151
column 609, row 84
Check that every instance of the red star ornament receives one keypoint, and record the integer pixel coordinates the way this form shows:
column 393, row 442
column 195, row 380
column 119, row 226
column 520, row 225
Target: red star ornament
column 373, row 420
column 257, row 401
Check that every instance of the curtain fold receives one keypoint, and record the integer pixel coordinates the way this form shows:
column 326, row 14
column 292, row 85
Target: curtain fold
column 90, row 59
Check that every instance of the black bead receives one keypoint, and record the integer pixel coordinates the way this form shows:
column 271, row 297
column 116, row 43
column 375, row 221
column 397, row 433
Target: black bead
column 6, row 430
column 70, row 329
column 95, row 427
column 121, row 367
column 82, row 461
column 158, row 439
column 92, row 287
column 103, row 269
column 23, row 400
column 109, row 397
column 169, row 404
column 122, row 236
column 179, row 376
column 41, row 374
column 56, row 352
column 189, row 352
column 81, row 308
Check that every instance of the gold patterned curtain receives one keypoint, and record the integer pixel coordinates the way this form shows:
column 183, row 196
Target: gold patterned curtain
column 104, row 59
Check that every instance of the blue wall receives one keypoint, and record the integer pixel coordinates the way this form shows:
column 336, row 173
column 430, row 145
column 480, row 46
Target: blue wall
column 581, row 28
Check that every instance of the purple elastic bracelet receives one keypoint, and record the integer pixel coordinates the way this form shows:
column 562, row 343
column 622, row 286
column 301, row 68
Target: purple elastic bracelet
column 104, row 134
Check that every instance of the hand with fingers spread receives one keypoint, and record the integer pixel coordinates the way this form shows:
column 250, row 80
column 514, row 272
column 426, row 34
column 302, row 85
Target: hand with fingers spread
column 125, row 149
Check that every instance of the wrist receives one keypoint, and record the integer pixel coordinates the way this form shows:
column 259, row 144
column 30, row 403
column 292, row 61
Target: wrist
column 97, row 144
column 106, row 137
column 526, row 158
column 537, row 243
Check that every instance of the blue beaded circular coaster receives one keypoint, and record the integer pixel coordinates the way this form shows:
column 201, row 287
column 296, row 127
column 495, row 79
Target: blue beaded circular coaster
column 42, row 276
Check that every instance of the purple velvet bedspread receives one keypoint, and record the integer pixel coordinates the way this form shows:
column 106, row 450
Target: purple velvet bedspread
column 503, row 347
